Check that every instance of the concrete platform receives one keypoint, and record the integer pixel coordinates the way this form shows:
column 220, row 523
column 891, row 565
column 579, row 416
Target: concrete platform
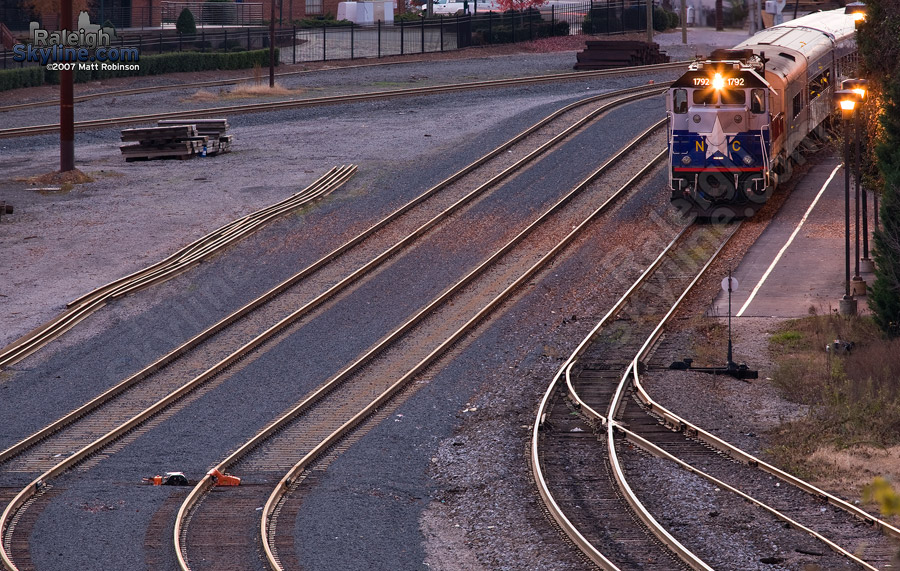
column 797, row 264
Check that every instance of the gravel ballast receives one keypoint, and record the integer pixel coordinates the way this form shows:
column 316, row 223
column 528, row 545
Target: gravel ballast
column 444, row 482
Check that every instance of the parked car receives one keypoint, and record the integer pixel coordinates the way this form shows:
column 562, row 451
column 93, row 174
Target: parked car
column 474, row 7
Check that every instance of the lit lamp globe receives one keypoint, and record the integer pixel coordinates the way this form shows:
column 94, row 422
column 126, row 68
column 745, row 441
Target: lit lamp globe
column 857, row 10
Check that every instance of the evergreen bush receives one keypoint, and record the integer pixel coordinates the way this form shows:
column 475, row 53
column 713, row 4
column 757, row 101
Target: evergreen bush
column 185, row 23
column 23, row 77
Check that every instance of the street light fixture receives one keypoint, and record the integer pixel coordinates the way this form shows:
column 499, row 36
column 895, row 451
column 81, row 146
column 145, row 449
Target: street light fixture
column 857, row 10
column 848, row 101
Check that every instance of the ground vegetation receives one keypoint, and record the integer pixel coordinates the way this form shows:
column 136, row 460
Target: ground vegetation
column 843, row 373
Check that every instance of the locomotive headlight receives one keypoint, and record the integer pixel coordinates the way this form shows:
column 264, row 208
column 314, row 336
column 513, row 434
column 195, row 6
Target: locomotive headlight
column 718, row 82
column 748, row 160
column 696, row 118
column 686, row 160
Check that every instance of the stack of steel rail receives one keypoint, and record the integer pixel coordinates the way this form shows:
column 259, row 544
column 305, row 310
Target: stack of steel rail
column 171, row 266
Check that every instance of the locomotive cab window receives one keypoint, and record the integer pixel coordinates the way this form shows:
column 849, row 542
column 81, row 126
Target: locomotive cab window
column 757, row 101
column 705, row 97
column 679, row 101
column 798, row 104
column 733, row 96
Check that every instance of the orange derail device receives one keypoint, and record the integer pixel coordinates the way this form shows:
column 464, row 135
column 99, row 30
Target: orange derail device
column 221, row 479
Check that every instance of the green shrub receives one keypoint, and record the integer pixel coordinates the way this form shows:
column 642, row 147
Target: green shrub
column 606, row 20
column 674, row 20
column 660, row 19
column 325, row 21
column 176, row 62
column 22, row 77
column 185, row 23
column 408, row 17
column 503, row 34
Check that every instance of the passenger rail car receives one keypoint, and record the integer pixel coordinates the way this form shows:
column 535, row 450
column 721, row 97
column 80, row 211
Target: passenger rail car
column 736, row 119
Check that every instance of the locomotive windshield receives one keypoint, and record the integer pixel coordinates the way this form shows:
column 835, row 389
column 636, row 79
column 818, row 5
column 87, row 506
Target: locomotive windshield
column 720, row 96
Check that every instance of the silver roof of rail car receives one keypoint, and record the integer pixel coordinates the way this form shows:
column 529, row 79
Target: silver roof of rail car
column 790, row 46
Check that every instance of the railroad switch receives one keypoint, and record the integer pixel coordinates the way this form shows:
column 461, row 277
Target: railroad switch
column 737, row 370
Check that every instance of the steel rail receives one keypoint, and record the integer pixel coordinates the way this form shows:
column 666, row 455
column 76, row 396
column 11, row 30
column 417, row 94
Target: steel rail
column 550, row 503
column 284, row 486
column 565, row 372
column 652, row 448
column 171, row 266
column 740, row 455
column 585, row 343
column 233, row 81
column 96, row 299
column 671, row 420
column 192, row 85
column 264, row 298
column 112, row 435
column 616, row 402
column 328, row 100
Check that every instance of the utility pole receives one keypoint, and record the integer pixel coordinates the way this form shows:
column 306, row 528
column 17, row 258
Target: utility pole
column 271, row 44
column 649, row 21
column 66, row 102
column 684, row 21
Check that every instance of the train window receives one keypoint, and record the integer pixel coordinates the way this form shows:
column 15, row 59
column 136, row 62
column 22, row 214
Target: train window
column 679, row 100
column 819, row 83
column 798, row 104
column 705, row 97
column 734, row 97
column 757, row 101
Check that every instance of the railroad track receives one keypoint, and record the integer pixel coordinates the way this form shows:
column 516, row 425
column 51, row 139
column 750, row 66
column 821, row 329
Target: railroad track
column 581, row 487
column 331, row 100
column 188, row 85
column 600, row 383
column 289, row 447
column 142, row 408
column 181, row 261
column 195, row 252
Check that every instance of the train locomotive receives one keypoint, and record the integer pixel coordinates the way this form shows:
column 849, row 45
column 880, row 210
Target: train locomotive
column 737, row 118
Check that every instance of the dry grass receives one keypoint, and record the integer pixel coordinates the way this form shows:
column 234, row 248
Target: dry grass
column 203, row 95
column 853, row 424
column 60, row 181
column 710, row 342
column 257, row 90
column 242, row 91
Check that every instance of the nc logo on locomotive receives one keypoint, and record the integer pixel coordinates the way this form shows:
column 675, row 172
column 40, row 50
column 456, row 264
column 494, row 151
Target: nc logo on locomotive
column 88, row 48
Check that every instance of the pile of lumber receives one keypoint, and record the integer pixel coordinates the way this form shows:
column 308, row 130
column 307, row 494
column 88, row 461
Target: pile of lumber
column 176, row 139
column 606, row 54
column 213, row 129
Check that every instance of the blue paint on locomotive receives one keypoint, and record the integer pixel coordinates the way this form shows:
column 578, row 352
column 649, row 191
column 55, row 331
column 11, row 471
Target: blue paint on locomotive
column 739, row 145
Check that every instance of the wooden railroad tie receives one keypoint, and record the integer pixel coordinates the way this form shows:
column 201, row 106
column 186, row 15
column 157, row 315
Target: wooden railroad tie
column 176, row 139
column 606, row 54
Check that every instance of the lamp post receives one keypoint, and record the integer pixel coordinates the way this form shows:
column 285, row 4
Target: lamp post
column 847, row 100
column 861, row 87
column 858, row 86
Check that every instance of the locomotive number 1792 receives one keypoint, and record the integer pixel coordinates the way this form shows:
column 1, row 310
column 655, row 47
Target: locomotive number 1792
column 729, row 81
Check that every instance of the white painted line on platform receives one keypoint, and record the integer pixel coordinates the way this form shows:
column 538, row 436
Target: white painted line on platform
column 788, row 243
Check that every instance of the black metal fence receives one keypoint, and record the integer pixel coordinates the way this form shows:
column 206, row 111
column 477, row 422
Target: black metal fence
column 439, row 33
